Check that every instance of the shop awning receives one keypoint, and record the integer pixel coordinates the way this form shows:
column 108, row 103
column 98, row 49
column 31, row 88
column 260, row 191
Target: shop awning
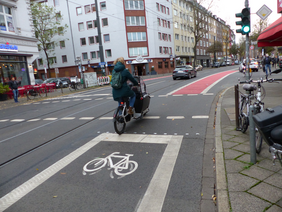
column 272, row 35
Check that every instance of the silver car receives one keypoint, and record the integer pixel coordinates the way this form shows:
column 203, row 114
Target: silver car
column 185, row 71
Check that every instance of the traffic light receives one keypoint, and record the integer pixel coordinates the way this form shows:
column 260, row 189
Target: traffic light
column 245, row 21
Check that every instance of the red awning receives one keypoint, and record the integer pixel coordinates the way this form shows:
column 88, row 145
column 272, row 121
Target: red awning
column 272, row 35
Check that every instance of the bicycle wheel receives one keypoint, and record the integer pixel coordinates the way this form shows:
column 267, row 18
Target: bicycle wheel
column 95, row 165
column 30, row 94
column 78, row 86
column 258, row 141
column 121, row 170
column 119, row 122
column 243, row 118
column 42, row 92
column 71, row 87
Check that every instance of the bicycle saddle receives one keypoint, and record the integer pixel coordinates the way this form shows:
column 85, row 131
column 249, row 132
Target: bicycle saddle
column 249, row 87
column 276, row 133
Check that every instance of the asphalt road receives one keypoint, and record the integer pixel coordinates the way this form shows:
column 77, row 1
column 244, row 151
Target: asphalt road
column 45, row 145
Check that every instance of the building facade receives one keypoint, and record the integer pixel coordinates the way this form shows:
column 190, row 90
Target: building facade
column 140, row 31
column 18, row 45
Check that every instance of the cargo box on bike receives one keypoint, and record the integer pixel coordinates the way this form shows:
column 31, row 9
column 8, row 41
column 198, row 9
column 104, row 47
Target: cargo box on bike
column 267, row 121
column 142, row 97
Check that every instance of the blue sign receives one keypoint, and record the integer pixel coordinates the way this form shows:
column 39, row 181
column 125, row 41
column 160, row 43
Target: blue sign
column 8, row 47
column 23, row 69
column 102, row 63
column 149, row 60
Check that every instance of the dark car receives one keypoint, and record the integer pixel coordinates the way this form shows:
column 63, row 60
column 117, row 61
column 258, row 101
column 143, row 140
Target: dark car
column 223, row 64
column 65, row 81
column 215, row 65
column 184, row 72
column 280, row 63
column 38, row 81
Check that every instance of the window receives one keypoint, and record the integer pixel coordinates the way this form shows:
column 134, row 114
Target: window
column 82, row 41
column 104, row 22
column 80, row 27
column 93, row 6
column 56, row 3
column 89, row 24
column 167, row 10
column 106, row 38
column 158, row 6
column 182, row 49
column 103, row 5
column 169, row 37
column 95, row 24
column 98, row 54
column 6, row 19
column 166, row 64
column 60, row 30
column 159, row 22
column 62, row 44
column 135, row 20
column 171, row 64
column 170, row 50
column 52, row 60
column 91, row 40
column 176, row 25
column 108, row 53
column 64, row 58
column 174, row 12
column 177, row 48
column 182, row 37
column 138, row 51
column 84, row 56
column 51, row 45
column 136, row 36
column 87, row 9
column 176, row 36
column 93, row 55
column 96, row 39
column 58, row 16
column 78, row 11
column 160, row 36
column 40, row 61
column 160, row 50
column 160, row 64
column 168, row 24
column 133, row 5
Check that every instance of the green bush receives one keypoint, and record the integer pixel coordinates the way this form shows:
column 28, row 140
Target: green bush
column 4, row 88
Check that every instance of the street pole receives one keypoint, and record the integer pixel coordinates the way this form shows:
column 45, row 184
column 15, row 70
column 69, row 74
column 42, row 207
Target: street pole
column 214, row 49
column 99, row 37
column 247, row 48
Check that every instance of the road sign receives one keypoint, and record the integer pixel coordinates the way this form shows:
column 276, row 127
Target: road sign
column 102, row 63
column 264, row 12
column 56, row 70
column 252, row 47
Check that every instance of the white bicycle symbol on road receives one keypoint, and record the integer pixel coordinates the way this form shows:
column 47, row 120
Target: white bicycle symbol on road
column 122, row 168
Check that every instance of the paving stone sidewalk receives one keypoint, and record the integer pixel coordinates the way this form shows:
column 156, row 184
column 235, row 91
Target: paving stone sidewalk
column 249, row 188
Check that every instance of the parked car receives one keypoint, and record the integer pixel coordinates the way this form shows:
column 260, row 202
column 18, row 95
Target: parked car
column 223, row 64
column 65, row 81
column 236, row 62
column 199, row 68
column 184, row 72
column 38, row 81
column 280, row 63
column 254, row 66
column 228, row 63
column 242, row 67
column 215, row 65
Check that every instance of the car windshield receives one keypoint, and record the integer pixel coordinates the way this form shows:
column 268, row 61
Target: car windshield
column 48, row 80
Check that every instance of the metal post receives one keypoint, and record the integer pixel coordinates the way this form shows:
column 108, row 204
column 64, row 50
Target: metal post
column 99, row 36
column 214, row 49
column 252, row 136
column 247, row 48
column 236, row 87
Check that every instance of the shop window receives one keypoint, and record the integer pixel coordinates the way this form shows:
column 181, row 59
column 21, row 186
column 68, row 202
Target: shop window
column 166, row 64
column 64, row 58
column 160, row 64
column 171, row 64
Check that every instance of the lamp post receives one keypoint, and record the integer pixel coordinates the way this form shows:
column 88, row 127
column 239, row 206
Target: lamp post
column 214, row 49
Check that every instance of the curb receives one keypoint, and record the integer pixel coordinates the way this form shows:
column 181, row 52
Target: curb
column 221, row 183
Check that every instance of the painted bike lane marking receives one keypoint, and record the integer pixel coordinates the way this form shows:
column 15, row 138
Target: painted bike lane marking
column 202, row 86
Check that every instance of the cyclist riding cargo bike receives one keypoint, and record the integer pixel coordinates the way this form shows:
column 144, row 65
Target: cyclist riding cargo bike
column 132, row 98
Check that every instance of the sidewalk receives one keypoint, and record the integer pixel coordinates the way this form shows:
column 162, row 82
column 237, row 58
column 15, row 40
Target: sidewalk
column 241, row 186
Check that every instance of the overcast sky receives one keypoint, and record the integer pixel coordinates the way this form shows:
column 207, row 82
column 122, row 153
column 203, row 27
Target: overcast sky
column 226, row 10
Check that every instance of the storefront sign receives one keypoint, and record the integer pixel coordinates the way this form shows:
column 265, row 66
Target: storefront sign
column 139, row 58
column 8, row 47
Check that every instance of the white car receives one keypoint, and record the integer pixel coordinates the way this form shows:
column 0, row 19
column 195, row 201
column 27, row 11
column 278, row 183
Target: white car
column 242, row 68
column 254, row 66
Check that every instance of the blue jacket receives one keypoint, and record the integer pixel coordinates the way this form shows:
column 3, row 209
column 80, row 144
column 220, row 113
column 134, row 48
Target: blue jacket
column 125, row 90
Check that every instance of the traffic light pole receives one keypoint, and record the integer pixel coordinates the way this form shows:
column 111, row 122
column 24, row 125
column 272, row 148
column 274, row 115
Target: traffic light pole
column 247, row 56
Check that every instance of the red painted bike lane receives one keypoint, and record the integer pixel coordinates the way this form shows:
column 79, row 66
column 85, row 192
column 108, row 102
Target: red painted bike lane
column 199, row 86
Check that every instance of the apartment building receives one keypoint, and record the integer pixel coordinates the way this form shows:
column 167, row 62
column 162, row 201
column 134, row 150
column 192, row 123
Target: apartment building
column 18, row 45
column 140, row 31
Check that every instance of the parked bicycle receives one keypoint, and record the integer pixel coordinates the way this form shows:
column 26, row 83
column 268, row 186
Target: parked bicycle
column 36, row 91
column 121, row 168
column 73, row 86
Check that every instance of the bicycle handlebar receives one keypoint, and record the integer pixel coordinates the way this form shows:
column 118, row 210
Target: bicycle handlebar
column 261, row 81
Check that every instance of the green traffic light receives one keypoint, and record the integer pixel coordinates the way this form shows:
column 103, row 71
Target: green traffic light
column 246, row 29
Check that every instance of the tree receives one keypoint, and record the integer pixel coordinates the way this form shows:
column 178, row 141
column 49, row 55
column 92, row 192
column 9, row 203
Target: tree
column 47, row 25
column 226, row 40
column 200, row 28
column 234, row 50
column 215, row 47
column 242, row 47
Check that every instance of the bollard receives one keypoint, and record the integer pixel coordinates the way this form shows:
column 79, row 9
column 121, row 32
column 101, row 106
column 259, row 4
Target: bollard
column 252, row 136
column 236, row 87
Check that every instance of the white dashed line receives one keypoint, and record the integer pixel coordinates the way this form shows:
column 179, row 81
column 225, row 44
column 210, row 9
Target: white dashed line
column 99, row 99
column 151, row 117
column 55, row 101
column 162, row 95
column 200, row 117
column 86, row 118
column 192, row 94
column 175, row 117
column 68, row 118
column 50, row 119
column 76, row 99
column 65, row 100
column 17, row 120
column 105, row 118
column 4, row 120
column 33, row 120
column 87, row 99
column 178, row 95
column 208, row 94
column 45, row 102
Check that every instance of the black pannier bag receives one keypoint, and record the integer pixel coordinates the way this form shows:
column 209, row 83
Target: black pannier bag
column 142, row 97
column 269, row 121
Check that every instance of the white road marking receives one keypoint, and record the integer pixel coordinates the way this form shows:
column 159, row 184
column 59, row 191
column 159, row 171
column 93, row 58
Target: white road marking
column 55, row 101
column 155, row 83
column 68, row 118
column 99, row 99
column 76, row 99
column 17, row 120
column 175, row 117
column 151, row 117
column 109, row 98
column 45, row 102
column 162, row 95
column 200, row 117
column 208, row 94
column 152, row 96
column 105, row 118
column 65, row 100
column 33, row 120
column 36, row 103
column 192, row 94
column 4, row 120
column 102, row 94
column 50, row 119
column 87, row 99
column 178, row 95
column 86, row 118
column 209, row 87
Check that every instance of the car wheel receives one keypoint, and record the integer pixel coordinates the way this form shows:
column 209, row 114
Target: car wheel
column 189, row 76
column 174, row 78
column 195, row 74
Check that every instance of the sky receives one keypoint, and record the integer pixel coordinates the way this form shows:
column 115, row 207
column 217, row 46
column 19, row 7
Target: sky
column 226, row 10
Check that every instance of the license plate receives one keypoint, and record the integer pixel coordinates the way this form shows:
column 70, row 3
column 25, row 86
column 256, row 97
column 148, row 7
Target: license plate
column 180, row 71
